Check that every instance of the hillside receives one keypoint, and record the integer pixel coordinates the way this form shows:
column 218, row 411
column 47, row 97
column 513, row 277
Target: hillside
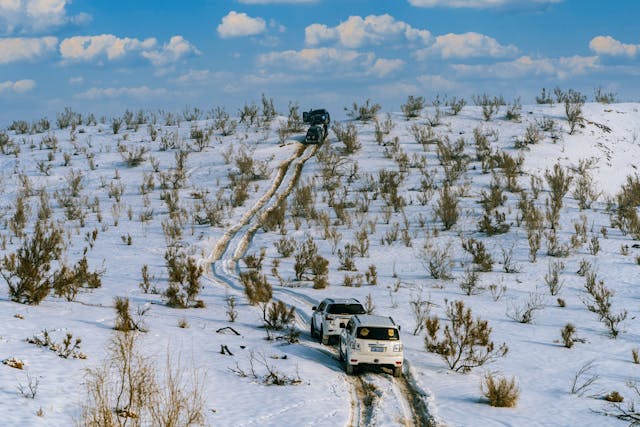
column 158, row 185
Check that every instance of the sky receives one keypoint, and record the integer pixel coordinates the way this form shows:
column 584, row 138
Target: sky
column 106, row 57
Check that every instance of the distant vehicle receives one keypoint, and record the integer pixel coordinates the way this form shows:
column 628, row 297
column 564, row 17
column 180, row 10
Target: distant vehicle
column 332, row 315
column 317, row 117
column 369, row 340
column 319, row 121
column 315, row 135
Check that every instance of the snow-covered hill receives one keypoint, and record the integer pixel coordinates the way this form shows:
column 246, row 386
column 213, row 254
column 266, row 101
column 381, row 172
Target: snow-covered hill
column 347, row 202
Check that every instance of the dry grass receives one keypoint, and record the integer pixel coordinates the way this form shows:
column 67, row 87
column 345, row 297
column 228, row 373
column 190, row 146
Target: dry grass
column 500, row 391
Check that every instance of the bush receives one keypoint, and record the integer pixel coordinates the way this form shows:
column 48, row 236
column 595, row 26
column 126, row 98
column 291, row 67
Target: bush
column 567, row 334
column 413, row 107
column 456, row 105
column 28, row 272
column 349, row 136
column 573, row 103
column 129, row 389
column 278, row 316
column 364, row 112
column 184, row 279
column 256, row 287
column 465, row 343
column 502, row 393
column 124, row 320
column 438, row 262
column 604, row 97
column 447, row 207
column 478, row 251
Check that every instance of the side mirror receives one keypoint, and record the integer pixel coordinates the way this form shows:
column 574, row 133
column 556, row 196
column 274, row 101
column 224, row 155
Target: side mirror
column 314, row 308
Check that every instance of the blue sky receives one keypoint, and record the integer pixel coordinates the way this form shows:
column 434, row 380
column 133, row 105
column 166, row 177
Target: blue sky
column 108, row 56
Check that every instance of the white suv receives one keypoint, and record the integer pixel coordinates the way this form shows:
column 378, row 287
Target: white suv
column 371, row 340
column 331, row 316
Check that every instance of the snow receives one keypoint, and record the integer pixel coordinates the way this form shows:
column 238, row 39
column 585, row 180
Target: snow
column 544, row 369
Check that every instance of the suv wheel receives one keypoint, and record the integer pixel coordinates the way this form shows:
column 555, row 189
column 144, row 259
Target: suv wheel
column 397, row 371
column 324, row 339
column 349, row 368
column 313, row 329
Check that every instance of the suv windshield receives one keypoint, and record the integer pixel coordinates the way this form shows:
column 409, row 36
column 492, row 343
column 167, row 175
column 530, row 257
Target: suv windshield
column 346, row 309
column 389, row 334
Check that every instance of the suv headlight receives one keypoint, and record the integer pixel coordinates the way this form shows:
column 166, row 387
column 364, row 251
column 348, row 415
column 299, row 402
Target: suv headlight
column 397, row 347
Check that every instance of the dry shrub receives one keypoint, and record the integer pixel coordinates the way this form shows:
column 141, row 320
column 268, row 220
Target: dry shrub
column 500, row 391
column 130, row 390
column 567, row 334
column 28, row 271
column 465, row 342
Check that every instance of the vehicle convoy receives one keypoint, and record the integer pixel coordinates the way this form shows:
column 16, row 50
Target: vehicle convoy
column 319, row 121
column 331, row 316
column 369, row 340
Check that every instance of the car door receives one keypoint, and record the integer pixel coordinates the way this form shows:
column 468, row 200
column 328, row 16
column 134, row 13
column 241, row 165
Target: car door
column 345, row 336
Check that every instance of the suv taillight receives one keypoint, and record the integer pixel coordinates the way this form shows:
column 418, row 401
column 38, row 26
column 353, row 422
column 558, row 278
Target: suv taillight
column 397, row 347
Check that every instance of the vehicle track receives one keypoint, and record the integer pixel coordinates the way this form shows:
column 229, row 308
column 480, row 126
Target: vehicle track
column 225, row 269
column 223, row 242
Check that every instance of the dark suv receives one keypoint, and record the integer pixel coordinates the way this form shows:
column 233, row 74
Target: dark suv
column 331, row 316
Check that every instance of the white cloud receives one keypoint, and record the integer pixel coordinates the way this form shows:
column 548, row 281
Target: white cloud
column 110, row 47
column 19, row 86
column 383, row 67
column 87, row 48
column 317, row 59
column 357, row 31
column 76, row 80
column 607, row 45
column 436, row 82
column 562, row 68
column 240, row 25
column 176, row 49
column 466, row 45
column 141, row 92
column 477, row 4
column 24, row 49
column 36, row 15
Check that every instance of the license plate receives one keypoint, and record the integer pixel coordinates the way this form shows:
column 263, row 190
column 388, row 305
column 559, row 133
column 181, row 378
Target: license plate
column 377, row 349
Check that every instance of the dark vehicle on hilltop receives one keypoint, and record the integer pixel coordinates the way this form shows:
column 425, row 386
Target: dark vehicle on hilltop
column 319, row 121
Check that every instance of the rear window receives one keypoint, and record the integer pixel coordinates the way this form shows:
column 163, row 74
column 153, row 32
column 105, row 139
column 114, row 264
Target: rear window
column 389, row 334
column 346, row 309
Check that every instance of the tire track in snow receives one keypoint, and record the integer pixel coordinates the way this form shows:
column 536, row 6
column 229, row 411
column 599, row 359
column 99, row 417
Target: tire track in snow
column 223, row 243
column 363, row 408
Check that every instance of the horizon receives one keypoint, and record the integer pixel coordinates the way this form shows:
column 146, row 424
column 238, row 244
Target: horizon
column 318, row 53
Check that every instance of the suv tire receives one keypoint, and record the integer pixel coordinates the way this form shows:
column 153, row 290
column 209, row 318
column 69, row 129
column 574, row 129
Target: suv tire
column 349, row 369
column 397, row 371
column 313, row 329
column 324, row 339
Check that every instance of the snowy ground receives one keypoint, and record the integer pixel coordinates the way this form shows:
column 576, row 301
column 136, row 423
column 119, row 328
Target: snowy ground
column 324, row 396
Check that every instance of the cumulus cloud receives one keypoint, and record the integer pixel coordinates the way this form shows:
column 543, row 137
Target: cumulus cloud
column 36, row 15
column 357, row 31
column 141, row 92
column 382, row 67
column 240, row 25
column 25, row 49
column 87, row 48
column 478, row 4
column 318, row 59
column 467, row 45
column 110, row 47
column 176, row 49
column 19, row 86
column 607, row 45
column 562, row 68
